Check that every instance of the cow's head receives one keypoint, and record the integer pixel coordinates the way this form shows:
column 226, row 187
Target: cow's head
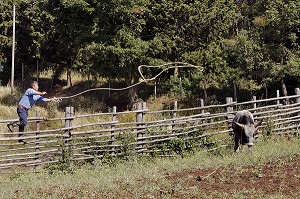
column 251, row 132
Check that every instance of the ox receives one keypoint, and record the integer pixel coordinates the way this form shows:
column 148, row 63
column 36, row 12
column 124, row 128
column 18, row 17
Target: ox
column 244, row 128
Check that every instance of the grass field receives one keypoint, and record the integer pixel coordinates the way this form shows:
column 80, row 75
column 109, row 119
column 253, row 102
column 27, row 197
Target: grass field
column 202, row 175
column 271, row 170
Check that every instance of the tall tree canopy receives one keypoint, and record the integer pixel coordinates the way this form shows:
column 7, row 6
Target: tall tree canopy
column 247, row 43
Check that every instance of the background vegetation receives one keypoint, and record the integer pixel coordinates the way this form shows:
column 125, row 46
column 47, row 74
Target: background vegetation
column 249, row 45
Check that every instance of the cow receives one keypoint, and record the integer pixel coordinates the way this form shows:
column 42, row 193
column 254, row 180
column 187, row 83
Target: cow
column 244, row 128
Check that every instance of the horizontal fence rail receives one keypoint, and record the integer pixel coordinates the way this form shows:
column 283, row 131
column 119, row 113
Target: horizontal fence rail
column 91, row 136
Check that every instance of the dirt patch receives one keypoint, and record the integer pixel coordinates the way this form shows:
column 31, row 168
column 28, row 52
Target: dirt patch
column 281, row 177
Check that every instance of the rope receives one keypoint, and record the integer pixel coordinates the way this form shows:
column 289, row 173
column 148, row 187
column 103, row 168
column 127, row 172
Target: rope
column 56, row 99
column 167, row 65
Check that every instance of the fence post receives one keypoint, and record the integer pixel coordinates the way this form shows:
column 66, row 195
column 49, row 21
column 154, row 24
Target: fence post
column 113, row 119
column 66, row 152
column 277, row 96
column 254, row 103
column 144, row 113
column 297, row 92
column 37, row 139
column 174, row 115
column 229, row 110
column 202, row 110
column 139, row 120
column 69, row 121
column 202, row 106
column 229, row 104
column 139, row 116
column 144, row 107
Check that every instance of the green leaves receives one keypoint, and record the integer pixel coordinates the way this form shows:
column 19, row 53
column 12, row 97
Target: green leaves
column 240, row 41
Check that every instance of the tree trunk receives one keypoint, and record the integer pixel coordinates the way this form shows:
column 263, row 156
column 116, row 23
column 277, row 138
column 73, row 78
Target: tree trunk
column 234, row 92
column 89, row 80
column 205, row 90
column 133, row 97
column 176, row 72
column 69, row 79
column 284, row 90
column 55, row 77
column 132, row 93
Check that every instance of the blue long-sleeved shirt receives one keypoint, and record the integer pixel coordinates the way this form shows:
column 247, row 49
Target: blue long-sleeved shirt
column 29, row 98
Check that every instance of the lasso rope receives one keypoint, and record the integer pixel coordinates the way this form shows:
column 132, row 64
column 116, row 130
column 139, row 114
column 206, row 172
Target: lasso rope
column 167, row 66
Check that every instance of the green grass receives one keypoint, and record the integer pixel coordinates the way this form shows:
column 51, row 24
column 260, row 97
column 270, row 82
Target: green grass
column 139, row 176
column 135, row 178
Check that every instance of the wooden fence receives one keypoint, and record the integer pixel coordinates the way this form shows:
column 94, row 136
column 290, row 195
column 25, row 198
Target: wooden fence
column 90, row 136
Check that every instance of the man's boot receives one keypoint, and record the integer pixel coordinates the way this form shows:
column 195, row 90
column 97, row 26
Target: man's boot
column 21, row 129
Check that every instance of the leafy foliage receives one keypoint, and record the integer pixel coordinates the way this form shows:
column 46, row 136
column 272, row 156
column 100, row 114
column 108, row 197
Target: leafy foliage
column 252, row 42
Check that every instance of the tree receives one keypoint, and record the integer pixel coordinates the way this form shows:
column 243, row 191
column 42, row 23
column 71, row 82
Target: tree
column 29, row 33
column 278, row 23
column 69, row 31
column 6, row 23
column 118, row 48
column 208, row 24
column 5, row 29
column 244, row 55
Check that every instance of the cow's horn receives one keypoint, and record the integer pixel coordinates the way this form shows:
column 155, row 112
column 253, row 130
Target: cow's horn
column 241, row 125
column 258, row 123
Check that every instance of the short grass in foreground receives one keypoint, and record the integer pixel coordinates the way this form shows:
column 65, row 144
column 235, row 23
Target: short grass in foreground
column 144, row 178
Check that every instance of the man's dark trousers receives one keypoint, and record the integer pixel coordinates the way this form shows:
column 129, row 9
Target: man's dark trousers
column 23, row 115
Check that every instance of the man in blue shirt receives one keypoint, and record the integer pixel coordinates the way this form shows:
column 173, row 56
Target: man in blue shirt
column 29, row 98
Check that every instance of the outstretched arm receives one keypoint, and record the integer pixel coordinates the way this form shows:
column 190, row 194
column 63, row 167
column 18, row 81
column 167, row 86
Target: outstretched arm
column 40, row 93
